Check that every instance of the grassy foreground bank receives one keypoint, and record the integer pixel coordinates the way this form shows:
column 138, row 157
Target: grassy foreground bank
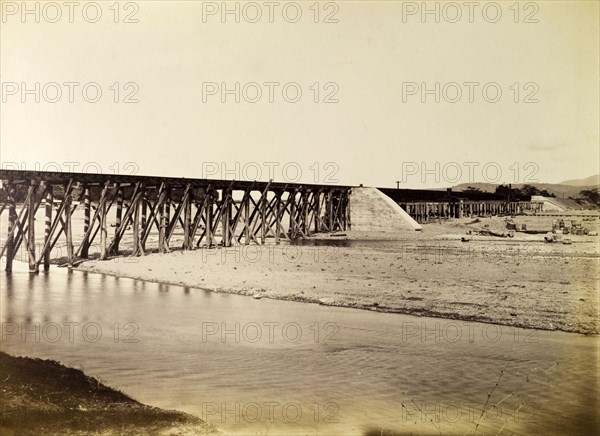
column 43, row 397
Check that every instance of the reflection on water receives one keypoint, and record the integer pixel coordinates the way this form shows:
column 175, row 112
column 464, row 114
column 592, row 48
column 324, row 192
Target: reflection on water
column 272, row 367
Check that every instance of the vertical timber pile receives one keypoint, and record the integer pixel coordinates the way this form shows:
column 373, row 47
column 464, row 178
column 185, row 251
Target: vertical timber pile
column 167, row 214
column 48, row 227
column 304, row 201
column 317, row 210
column 86, row 222
column 135, row 204
column 144, row 221
column 348, row 216
column 263, row 218
column 31, row 227
column 67, row 228
column 103, row 230
column 278, row 212
column 12, row 223
column 118, row 217
column 330, row 211
column 292, row 200
column 187, row 217
column 225, row 217
column 246, row 206
column 209, row 217
column 161, row 206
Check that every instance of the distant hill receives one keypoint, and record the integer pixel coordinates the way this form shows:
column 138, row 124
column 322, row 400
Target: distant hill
column 588, row 181
column 561, row 190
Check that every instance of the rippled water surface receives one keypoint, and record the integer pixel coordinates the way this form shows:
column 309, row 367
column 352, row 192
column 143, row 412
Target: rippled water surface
column 272, row 367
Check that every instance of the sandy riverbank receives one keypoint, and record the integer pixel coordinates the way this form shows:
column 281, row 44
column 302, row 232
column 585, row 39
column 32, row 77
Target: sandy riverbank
column 45, row 397
column 518, row 281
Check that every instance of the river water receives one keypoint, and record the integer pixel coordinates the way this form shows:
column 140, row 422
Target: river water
column 277, row 367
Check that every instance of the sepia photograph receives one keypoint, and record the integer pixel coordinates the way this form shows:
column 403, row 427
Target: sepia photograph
column 299, row 218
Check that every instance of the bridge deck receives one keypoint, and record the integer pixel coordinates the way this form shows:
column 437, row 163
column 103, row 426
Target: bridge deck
column 92, row 179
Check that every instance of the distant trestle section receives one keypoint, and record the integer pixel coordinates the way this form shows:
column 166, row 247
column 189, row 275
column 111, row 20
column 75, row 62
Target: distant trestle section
column 423, row 212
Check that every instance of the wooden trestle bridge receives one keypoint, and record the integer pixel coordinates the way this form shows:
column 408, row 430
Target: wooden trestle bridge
column 157, row 213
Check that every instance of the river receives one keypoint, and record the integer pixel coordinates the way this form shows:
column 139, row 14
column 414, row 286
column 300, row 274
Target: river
column 278, row 367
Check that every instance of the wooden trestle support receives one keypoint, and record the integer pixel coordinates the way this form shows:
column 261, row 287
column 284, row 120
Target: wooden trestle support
column 427, row 211
column 160, row 214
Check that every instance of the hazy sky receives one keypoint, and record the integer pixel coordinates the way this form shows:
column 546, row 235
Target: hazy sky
column 372, row 63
